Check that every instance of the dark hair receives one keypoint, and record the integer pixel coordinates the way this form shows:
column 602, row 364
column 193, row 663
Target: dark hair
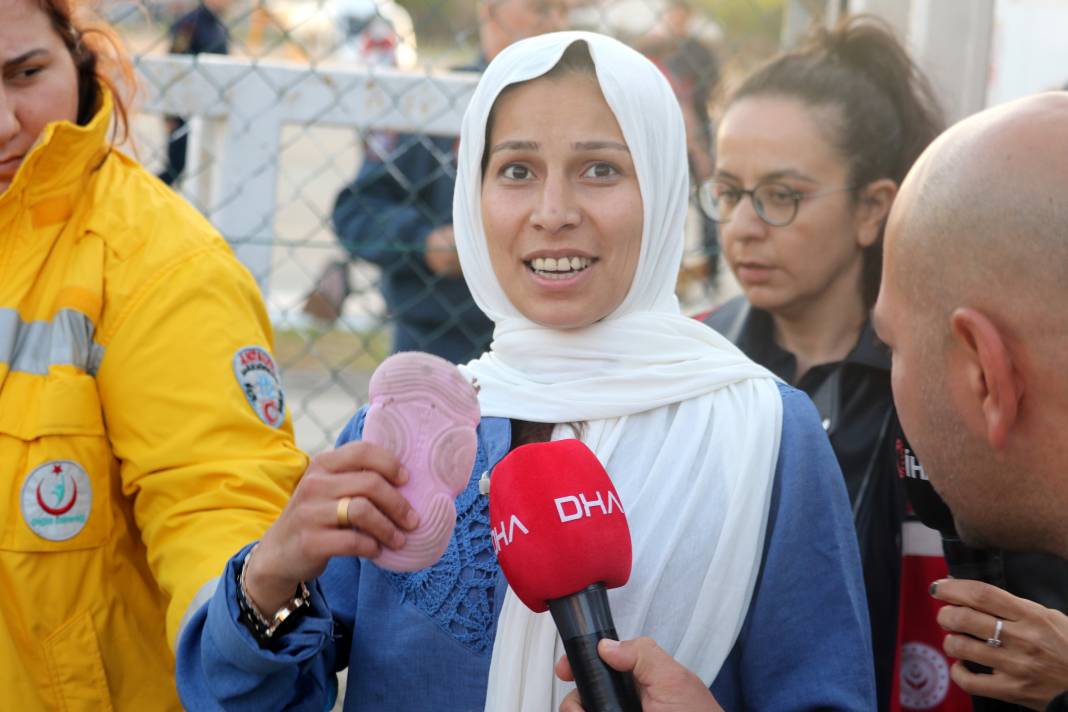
column 525, row 432
column 886, row 110
column 576, row 59
column 98, row 59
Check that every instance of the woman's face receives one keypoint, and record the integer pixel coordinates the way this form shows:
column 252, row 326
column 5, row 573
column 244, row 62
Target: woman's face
column 775, row 140
column 560, row 202
column 40, row 84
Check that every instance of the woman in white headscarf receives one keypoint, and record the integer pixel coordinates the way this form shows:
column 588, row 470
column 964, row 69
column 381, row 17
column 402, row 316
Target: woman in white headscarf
column 569, row 209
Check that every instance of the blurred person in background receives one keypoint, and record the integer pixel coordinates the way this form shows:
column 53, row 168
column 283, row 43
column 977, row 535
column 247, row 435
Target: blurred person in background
column 811, row 149
column 683, row 45
column 374, row 32
column 397, row 214
column 143, row 430
column 378, row 33
column 201, row 30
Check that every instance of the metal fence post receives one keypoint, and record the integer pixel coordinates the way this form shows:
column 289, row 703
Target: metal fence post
column 243, row 203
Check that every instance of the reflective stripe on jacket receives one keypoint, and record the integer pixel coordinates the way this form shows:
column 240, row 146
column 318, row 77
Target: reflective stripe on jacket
column 138, row 445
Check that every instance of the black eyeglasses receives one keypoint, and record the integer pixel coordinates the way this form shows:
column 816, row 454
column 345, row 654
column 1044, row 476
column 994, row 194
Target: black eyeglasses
column 775, row 203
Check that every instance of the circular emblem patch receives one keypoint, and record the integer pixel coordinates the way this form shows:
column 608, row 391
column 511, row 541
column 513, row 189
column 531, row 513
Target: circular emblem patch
column 924, row 677
column 56, row 500
column 258, row 378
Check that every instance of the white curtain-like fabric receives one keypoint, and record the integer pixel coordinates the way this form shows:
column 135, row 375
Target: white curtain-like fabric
column 687, row 426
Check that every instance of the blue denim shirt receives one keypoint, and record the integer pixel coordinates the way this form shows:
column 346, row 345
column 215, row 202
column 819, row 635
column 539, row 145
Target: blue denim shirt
column 422, row 642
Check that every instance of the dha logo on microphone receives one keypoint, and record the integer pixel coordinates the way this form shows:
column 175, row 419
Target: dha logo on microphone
column 571, row 507
column 907, row 464
column 504, row 537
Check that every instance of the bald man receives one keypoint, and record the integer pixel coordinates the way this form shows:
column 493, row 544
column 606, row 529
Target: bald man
column 974, row 305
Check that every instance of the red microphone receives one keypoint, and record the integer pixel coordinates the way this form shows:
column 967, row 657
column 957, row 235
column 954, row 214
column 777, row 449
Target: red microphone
column 562, row 540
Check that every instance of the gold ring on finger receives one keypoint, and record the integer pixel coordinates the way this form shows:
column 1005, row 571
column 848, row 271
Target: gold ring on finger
column 343, row 513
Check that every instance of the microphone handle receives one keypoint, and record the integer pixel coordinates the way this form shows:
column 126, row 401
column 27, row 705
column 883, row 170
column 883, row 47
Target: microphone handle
column 584, row 618
column 985, row 565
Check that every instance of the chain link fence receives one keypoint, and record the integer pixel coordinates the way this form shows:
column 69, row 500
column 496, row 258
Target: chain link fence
column 319, row 135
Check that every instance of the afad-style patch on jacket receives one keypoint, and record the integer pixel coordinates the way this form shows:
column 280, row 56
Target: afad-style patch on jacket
column 143, row 433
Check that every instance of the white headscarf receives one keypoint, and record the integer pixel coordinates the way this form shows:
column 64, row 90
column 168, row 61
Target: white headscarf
column 686, row 425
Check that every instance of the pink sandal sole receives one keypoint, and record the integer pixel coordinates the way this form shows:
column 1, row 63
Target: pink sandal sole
column 426, row 413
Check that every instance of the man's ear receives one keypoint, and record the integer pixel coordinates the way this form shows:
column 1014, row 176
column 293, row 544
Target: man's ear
column 990, row 375
column 873, row 205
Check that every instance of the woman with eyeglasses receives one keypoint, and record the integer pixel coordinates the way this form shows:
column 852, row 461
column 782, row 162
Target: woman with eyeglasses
column 811, row 149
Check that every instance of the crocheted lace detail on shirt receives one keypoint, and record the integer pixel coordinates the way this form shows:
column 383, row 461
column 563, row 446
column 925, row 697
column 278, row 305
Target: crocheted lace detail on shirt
column 457, row 592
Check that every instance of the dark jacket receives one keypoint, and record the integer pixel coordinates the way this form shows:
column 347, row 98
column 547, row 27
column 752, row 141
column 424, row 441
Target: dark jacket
column 1042, row 578
column 199, row 30
column 196, row 32
column 856, row 406
column 402, row 192
column 851, row 409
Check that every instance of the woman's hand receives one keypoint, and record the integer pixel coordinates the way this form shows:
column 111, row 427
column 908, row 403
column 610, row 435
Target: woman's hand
column 308, row 532
column 1030, row 666
column 663, row 684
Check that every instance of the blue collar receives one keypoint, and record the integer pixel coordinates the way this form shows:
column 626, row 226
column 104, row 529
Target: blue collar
column 495, row 434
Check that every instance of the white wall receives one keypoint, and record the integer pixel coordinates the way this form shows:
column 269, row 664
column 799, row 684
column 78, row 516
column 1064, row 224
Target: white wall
column 981, row 52
column 1030, row 48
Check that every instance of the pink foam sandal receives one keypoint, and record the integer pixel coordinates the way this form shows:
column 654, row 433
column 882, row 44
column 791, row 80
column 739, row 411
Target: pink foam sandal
column 426, row 413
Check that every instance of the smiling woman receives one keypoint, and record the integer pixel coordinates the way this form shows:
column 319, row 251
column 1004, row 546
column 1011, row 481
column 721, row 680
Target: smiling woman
column 583, row 162
column 560, row 199
column 570, row 203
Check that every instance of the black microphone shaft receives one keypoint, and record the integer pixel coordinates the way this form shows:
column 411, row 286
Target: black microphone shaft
column 963, row 561
column 584, row 618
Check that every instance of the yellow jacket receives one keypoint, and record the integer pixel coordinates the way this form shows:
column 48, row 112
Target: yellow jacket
column 143, row 439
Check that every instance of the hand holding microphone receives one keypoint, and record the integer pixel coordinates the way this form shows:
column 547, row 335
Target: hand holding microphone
column 663, row 684
column 562, row 540
column 1024, row 644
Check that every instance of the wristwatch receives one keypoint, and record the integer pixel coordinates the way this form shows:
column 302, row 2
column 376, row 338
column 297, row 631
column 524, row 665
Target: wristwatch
column 262, row 627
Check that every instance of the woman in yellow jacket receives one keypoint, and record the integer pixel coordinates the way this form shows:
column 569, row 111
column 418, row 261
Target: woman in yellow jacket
column 143, row 431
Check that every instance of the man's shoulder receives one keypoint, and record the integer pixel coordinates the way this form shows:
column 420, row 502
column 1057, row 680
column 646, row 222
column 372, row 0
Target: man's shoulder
column 410, row 153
